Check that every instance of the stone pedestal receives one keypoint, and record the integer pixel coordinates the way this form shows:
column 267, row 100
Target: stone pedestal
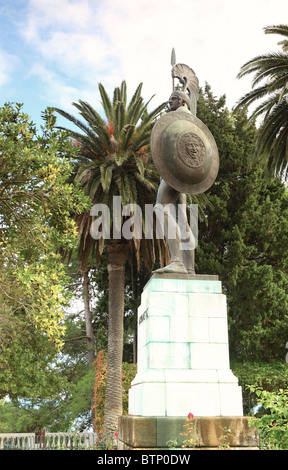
column 205, row 433
column 183, row 355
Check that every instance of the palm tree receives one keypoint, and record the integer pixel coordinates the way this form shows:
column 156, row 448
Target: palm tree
column 272, row 70
column 114, row 160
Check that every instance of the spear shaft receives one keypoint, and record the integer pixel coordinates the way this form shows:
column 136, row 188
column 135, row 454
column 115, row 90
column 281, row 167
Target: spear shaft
column 173, row 62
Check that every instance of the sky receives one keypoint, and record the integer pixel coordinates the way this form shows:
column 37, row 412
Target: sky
column 55, row 52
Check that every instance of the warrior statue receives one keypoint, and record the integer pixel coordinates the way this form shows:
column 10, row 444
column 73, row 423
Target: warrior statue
column 186, row 156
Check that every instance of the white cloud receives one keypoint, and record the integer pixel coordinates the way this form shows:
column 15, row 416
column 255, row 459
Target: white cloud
column 61, row 31
column 55, row 90
column 52, row 14
column 214, row 37
column 8, row 64
column 85, row 42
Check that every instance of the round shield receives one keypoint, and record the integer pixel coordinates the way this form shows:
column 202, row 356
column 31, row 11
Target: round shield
column 184, row 152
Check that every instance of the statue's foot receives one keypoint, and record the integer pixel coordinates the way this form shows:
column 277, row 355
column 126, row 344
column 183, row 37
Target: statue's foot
column 174, row 267
column 190, row 271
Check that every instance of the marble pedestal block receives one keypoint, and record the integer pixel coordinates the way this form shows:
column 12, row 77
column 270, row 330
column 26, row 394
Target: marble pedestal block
column 183, row 355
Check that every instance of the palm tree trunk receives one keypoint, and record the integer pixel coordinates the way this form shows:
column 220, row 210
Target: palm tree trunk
column 88, row 319
column 117, row 256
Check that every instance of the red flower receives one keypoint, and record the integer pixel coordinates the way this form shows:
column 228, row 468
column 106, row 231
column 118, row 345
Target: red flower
column 190, row 416
column 116, row 434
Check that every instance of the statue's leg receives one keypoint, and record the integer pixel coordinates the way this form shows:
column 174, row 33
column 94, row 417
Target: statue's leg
column 187, row 237
column 165, row 210
column 189, row 256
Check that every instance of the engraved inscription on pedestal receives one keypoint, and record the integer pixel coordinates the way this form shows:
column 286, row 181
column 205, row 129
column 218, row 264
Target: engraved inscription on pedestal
column 143, row 316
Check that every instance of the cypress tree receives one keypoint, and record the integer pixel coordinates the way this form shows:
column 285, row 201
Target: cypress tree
column 244, row 237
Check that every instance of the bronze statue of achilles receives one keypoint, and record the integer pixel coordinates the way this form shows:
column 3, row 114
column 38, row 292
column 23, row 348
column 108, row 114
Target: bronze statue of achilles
column 186, row 156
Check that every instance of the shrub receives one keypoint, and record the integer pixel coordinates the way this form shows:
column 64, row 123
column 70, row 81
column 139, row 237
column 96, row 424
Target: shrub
column 272, row 418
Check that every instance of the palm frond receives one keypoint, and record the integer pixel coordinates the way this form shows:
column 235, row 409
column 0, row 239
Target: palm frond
column 281, row 29
column 86, row 167
column 72, row 119
column 126, row 187
column 90, row 114
column 135, row 97
column 126, row 135
column 141, row 138
column 148, row 184
column 140, row 164
column 106, row 171
column 116, row 96
column 279, row 165
column 272, row 137
column 95, row 121
column 156, row 112
column 123, row 93
column 134, row 112
column 121, row 158
column 250, row 97
column 94, row 187
column 119, row 118
column 106, row 103
column 265, row 107
column 91, row 131
column 272, row 63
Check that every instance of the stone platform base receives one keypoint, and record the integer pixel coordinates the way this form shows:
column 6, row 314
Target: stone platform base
column 208, row 433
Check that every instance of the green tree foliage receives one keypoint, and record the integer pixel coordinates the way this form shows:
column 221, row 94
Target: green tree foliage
column 63, row 398
column 245, row 238
column 252, row 375
column 270, row 91
column 36, row 201
column 69, row 410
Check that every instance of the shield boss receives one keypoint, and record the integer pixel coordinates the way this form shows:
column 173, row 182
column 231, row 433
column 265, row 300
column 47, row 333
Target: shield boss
column 184, row 152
